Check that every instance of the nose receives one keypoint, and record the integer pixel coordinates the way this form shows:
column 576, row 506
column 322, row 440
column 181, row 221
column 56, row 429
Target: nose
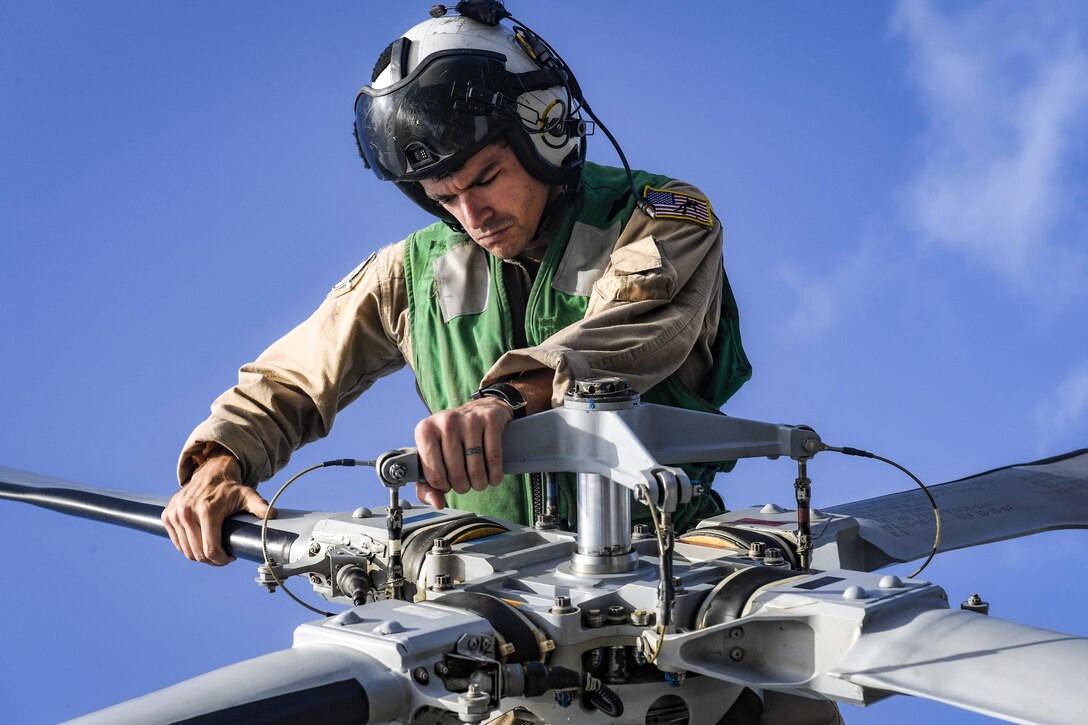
column 476, row 209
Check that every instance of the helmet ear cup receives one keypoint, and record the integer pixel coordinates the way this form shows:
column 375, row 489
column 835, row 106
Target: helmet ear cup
column 525, row 148
column 534, row 148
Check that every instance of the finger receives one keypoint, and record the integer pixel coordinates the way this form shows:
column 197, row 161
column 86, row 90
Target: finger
column 165, row 516
column 427, row 495
column 453, row 458
column 255, row 504
column 493, row 452
column 171, row 530
column 476, row 467
column 430, row 457
column 189, row 532
column 211, row 533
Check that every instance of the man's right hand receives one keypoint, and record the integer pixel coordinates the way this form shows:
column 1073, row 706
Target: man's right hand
column 194, row 516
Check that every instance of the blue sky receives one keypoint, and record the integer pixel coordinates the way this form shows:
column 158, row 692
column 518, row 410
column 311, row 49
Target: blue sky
column 903, row 189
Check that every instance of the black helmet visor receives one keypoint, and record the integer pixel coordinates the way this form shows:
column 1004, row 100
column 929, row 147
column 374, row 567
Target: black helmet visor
column 434, row 119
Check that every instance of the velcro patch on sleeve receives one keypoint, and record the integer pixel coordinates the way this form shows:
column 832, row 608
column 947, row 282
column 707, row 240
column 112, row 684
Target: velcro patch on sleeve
column 678, row 205
column 353, row 277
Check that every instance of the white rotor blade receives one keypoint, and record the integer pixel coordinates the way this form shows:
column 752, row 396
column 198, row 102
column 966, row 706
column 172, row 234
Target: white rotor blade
column 1001, row 504
column 316, row 683
column 971, row 661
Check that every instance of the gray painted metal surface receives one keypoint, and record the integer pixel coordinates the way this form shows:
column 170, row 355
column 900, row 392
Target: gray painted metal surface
column 743, row 620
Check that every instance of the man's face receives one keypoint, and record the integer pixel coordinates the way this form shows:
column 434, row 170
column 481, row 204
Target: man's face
column 494, row 198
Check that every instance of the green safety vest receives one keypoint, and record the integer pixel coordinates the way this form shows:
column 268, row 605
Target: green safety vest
column 461, row 324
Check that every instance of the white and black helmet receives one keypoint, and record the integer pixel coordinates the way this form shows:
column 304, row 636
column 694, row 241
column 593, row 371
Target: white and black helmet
column 452, row 85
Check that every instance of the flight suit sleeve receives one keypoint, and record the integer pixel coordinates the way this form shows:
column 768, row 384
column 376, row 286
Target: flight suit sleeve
column 291, row 394
column 653, row 311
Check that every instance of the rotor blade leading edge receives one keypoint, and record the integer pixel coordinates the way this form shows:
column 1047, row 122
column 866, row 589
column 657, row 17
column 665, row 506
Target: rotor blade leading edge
column 1001, row 504
column 241, row 534
column 972, row 661
column 317, row 683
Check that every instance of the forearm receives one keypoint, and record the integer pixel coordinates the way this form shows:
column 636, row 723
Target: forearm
column 291, row 394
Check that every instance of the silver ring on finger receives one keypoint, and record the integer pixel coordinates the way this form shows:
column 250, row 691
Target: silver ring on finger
column 474, row 451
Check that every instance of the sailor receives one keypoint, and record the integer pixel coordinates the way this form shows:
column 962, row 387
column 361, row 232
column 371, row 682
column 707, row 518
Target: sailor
column 542, row 268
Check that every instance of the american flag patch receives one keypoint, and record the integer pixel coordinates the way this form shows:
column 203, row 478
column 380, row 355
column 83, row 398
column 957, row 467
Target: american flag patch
column 678, row 205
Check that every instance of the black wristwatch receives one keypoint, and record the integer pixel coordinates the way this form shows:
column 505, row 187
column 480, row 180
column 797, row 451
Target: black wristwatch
column 505, row 392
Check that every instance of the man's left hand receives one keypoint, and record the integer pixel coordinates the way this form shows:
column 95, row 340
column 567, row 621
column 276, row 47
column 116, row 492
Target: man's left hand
column 461, row 449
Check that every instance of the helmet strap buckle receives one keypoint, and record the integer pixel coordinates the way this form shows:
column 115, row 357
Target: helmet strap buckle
column 479, row 101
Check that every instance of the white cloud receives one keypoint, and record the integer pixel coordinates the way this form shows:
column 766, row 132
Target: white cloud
column 822, row 296
column 1065, row 410
column 1003, row 87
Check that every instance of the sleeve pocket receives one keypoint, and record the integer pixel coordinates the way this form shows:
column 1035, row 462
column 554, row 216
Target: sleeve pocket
column 638, row 271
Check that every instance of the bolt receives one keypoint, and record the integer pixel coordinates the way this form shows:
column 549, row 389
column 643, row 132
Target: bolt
column 441, row 669
column 594, row 618
column 736, row 633
column 736, row 654
column 441, row 546
column 474, row 643
column 975, row 603
column 756, row 550
column 420, row 675
column 564, row 698
column 441, row 583
column 397, row 471
column 315, row 548
column 641, row 532
column 641, row 617
column 773, row 557
column 617, row 614
column 315, row 580
column 475, row 697
column 561, row 605
column 678, row 585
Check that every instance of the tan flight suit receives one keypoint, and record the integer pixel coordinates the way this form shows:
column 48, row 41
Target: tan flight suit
column 654, row 291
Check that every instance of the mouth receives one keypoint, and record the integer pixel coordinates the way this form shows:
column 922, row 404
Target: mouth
column 493, row 237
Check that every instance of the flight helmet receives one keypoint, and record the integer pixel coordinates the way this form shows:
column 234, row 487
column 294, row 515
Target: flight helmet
column 454, row 84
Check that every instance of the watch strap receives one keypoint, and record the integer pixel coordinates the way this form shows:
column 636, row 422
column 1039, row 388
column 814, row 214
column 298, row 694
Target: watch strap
column 508, row 394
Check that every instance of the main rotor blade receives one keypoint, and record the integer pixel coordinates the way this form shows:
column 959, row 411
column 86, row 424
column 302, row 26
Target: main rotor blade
column 315, row 683
column 1004, row 503
column 971, row 661
column 241, row 533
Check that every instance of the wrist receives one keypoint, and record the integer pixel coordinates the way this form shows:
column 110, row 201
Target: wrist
column 506, row 393
column 212, row 456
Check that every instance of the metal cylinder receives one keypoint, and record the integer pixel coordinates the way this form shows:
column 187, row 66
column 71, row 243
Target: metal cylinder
column 604, row 527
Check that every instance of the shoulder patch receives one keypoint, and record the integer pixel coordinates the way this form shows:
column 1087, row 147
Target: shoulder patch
column 678, row 205
column 352, row 278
